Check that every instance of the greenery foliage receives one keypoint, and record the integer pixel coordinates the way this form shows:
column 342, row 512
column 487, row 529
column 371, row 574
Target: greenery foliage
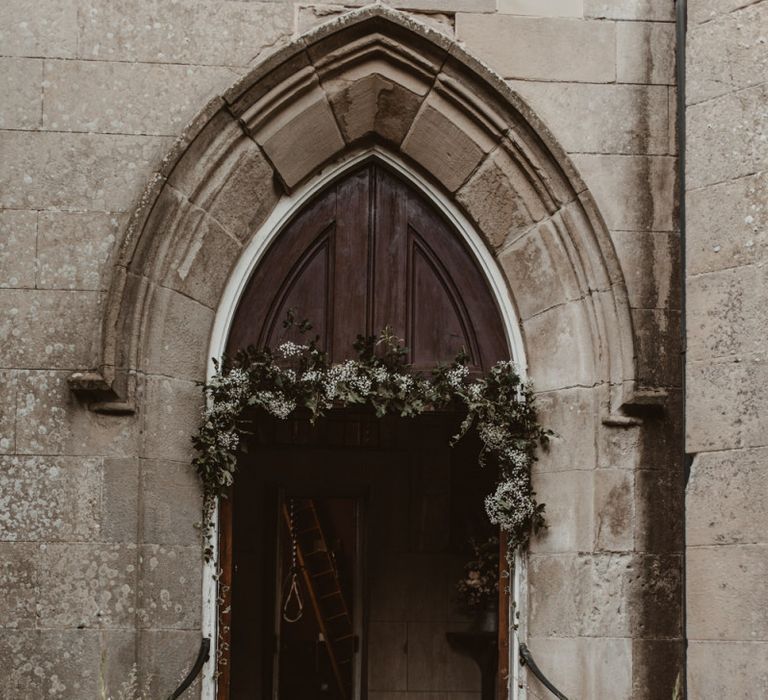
column 478, row 588
column 299, row 376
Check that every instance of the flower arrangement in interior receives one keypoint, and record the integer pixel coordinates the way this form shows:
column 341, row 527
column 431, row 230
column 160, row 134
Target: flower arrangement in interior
column 299, row 376
column 478, row 590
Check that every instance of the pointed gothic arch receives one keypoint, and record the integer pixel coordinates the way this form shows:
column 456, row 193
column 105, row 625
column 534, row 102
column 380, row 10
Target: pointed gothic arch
column 374, row 80
column 374, row 76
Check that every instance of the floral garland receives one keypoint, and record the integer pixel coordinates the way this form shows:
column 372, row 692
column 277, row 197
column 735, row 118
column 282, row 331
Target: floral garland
column 300, row 376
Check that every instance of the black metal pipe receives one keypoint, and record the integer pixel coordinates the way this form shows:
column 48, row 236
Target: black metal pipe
column 526, row 659
column 202, row 657
column 681, row 28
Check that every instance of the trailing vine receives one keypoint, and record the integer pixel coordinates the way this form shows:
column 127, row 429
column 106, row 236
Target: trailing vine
column 299, row 376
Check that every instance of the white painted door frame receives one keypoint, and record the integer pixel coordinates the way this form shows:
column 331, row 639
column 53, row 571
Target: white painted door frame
column 250, row 257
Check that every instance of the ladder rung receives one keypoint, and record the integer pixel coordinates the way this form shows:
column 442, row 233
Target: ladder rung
column 335, row 617
column 342, row 638
column 314, row 528
column 329, row 595
column 323, row 573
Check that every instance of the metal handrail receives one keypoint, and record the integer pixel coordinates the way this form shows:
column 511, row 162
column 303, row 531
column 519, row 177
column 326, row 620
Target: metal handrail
column 202, row 657
column 526, row 659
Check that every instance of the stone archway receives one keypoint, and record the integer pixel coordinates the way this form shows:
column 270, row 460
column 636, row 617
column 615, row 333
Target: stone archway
column 377, row 77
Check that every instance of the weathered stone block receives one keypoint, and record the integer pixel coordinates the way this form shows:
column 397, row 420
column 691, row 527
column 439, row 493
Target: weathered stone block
column 727, row 314
column 20, row 93
column 651, row 588
column 221, row 170
column 726, row 496
column 728, row 137
column 32, row 675
column 561, row 330
column 18, row 581
column 118, row 661
column 8, row 386
column 120, row 500
column 726, row 54
column 570, row 413
column 311, row 133
column 48, row 329
column 737, row 670
column 446, row 144
column 127, row 98
column 173, row 410
column 545, row 49
column 566, row 578
column 651, row 264
column 584, row 667
column 726, row 593
column 552, row 8
column 656, row 10
column 614, row 509
column 645, row 52
column 65, row 664
column 658, row 347
column 374, row 105
column 658, row 668
column 18, row 659
column 48, row 29
column 74, row 248
column 569, row 511
column 538, row 264
column 170, row 586
column 75, row 171
column 436, row 5
column 700, row 11
column 88, row 585
column 177, row 337
column 388, row 640
column 607, row 595
column 214, row 33
column 725, row 404
column 18, row 235
column 495, row 197
column 201, row 261
column 634, row 193
column 171, row 502
column 728, row 224
column 149, row 259
column 165, row 657
column 626, row 119
column 51, row 421
column 659, row 509
column 49, row 498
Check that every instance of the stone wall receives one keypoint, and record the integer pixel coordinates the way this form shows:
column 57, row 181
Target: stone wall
column 727, row 284
column 100, row 559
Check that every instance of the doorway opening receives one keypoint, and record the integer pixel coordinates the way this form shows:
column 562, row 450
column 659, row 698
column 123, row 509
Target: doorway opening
column 379, row 514
column 396, row 504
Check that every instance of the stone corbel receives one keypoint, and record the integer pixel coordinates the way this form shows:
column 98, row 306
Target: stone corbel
column 640, row 403
column 99, row 394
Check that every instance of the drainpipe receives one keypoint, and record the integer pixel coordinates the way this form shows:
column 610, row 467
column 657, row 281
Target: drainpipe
column 681, row 22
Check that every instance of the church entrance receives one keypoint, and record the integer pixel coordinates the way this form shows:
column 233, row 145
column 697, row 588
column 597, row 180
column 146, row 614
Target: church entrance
column 343, row 543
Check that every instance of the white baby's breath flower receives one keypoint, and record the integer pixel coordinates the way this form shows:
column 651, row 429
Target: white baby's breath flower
column 290, row 349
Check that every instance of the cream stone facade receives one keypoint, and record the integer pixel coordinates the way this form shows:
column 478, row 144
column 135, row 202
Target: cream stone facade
column 146, row 150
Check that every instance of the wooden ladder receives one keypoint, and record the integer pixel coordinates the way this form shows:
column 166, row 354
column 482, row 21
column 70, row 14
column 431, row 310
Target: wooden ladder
column 321, row 579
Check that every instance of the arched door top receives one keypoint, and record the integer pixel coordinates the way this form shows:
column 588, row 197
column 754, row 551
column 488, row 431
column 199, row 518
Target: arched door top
column 370, row 251
column 372, row 78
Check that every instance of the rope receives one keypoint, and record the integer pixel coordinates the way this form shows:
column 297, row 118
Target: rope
column 293, row 575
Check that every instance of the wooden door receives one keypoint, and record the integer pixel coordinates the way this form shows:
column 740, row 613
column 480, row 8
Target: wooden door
column 367, row 253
